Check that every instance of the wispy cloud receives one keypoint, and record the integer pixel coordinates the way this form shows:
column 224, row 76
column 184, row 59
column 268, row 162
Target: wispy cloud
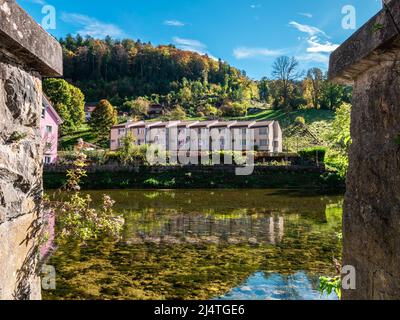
column 306, row 14
column 313, row 57
column 91, row 26
column 192, row 45
column 174, row 23
column 315, row 46
column 256, row 6
column 41, row 2
column 310, row 30
column 246, row 52
column 189, row 44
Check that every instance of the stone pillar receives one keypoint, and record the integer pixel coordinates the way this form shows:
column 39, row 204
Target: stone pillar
column 27, row 53
column 370, row 61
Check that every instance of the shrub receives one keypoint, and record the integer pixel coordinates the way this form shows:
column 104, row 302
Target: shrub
column 315, row 155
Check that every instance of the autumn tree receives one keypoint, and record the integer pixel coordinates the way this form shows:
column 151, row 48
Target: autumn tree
column 138, row 107
column 178, row 113
column 285, row 71
column 103, row 118
column 316, row 79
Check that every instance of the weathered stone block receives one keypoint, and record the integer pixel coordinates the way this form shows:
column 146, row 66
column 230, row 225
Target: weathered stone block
column 370, row 60
column 27, row 53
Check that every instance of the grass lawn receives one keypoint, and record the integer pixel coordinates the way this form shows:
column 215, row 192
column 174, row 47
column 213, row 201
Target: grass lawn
column 310, row 116
column 69, row 141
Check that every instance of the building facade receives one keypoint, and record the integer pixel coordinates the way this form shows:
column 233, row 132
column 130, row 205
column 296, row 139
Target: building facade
column 49, row 128
column 265, row 136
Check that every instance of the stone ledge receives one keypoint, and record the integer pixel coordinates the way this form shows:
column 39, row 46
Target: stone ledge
column 26, row 41
column 367, row 47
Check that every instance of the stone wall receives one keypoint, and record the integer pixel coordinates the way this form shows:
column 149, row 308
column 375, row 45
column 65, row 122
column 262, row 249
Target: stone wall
column 27, row 53
column 372, row 206
column 370, row 60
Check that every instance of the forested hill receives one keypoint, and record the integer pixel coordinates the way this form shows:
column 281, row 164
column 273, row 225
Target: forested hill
column 116, row 69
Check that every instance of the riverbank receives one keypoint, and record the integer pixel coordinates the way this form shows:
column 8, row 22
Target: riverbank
column 194, row 177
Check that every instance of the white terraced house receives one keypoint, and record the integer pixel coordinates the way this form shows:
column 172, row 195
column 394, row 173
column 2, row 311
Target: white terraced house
column 202, row 135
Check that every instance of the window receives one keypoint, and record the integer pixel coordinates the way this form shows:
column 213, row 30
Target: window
column 49, row 129
column 48, row 146
column 263, row 131
column 43, row 112
column 263, row 143
column 276, row 144
column 244, row 131
column 121, row 131
column 244, row 142
column 47, row 159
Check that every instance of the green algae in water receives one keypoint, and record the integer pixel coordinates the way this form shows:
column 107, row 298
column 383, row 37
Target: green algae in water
column 203, row 244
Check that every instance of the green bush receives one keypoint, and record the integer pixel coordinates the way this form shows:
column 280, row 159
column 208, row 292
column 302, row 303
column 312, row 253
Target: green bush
column 112, row 157
column 314, row 155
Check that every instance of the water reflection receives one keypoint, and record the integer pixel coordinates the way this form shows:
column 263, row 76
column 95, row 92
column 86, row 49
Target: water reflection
column 275, row 286
column 202, row 244
column 238, row 228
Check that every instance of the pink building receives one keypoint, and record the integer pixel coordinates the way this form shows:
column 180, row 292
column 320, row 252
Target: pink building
column 49, row 125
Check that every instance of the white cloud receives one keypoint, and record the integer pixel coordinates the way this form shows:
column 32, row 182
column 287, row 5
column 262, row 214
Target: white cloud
column 246, row 52
column 316, row 47
column 255, row 6
column 310, row 30
column 314, row 57
column 41, row 2
column 91, row 26
column 189, row 43
column 192, row 45
column 174, row 23
column 306, row 14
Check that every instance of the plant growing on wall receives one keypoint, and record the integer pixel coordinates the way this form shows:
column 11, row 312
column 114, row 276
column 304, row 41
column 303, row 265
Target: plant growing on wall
column 76, row 217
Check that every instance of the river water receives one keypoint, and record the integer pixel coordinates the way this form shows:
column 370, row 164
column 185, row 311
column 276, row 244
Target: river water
column 206, row 244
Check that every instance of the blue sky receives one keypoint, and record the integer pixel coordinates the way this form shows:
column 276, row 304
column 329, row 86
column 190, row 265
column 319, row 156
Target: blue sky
column 249, row 34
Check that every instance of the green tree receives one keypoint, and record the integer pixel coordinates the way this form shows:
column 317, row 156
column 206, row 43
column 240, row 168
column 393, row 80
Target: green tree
column 208, row 110
column 334, row 95
column 103, row 118
column 178, row 113
column 68, row 100
column 128, row 150
column 138, row 107
column 77, row 105
column 339, row 139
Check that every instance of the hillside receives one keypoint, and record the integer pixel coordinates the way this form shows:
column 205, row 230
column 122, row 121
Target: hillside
column 115, row 70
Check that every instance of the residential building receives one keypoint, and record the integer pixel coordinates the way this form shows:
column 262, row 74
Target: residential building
column 49, row 126
column 265, row 136
column 89, row 108
column 155, row 110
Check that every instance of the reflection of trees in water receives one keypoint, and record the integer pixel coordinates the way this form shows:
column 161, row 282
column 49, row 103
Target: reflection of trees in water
column 235, row 228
